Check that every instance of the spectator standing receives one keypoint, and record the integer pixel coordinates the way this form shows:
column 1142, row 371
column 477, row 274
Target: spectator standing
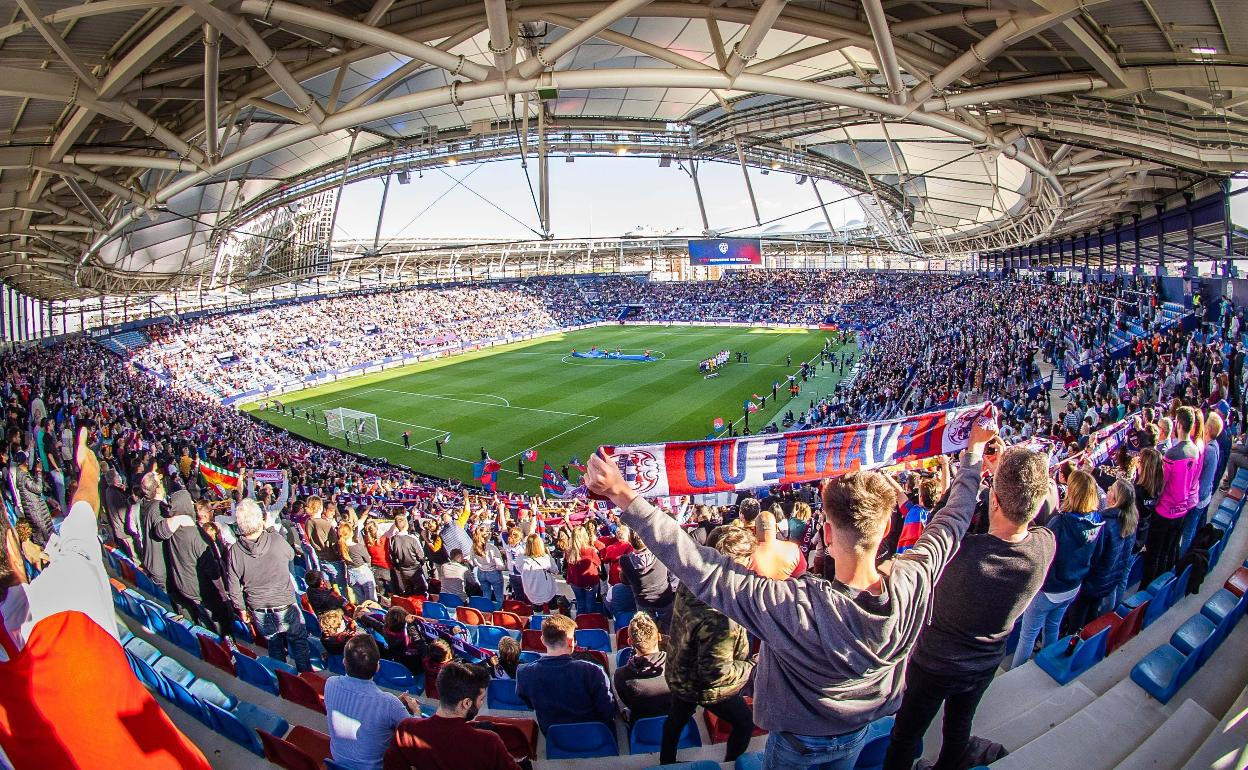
column 447, row 740
column 641, row 683
column 258, row 577
column 561, row 689
column 537, row 572
column 407, row 559
column 358, row 566
column 152, row 510
column 1181, row 474
column 489, row 563
column 454, row 536
column 454, row 575
column 362, row 717
column 323, row 537
column 710, row 659
column 584, row 567
column 654, row 589
column 774, row 558
column 982, row 592
column 378, row 556
column 513, row 550
column 1076, row 528
column 70, row 697
column 1102, row 588
column 833, row 651
column 191, row 572
column 117, row 509
column 1210, row 459
column 34, row 505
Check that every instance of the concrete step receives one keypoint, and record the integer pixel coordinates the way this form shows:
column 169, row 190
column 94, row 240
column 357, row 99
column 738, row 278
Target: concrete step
column 1097, row 737
column 1223, row 748
column 1173, row 742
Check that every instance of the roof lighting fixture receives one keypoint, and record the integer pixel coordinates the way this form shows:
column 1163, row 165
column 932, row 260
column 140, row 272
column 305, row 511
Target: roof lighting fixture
column 451, row 161
column 621, row 151
column 1202, row 51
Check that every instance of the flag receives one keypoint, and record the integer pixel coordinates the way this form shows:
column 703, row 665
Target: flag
column 758, row 397
column 576, row 463
column 220, row 479
column 717, row 423
column 915, row 519
column 446, row 439
column 530, row 455
column 552, row 482
column 486, row 471
column 751, row 408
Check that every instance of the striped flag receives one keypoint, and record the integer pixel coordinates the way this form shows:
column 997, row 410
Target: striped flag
column 552, row 482
column 222, row 480
column 914, row 519
column 530, row 455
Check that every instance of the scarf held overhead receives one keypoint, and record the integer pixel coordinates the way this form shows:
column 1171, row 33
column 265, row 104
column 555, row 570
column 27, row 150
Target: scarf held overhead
column 725, row 465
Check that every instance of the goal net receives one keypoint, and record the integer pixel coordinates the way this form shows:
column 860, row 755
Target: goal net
column 354, row 426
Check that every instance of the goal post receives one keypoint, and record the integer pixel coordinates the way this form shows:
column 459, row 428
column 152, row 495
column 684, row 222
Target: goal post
column 351, row 424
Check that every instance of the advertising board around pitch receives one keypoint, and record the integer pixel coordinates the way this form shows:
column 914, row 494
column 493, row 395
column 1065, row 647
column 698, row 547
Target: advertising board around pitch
column 726, row 251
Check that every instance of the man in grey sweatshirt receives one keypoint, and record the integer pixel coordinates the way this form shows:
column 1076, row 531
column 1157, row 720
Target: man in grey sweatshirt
column 834, row 652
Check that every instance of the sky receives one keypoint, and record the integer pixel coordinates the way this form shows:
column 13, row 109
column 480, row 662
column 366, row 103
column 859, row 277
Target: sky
column 598, row 197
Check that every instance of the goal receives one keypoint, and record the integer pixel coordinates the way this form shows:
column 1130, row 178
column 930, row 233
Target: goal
column 357, row 427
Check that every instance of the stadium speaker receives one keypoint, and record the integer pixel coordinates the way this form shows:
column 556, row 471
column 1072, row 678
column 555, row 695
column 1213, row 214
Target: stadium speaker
column 405, row 177
column 801, row 179
column 665, row 161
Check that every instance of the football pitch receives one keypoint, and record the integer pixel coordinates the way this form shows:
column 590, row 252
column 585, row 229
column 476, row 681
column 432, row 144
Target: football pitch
column 535, row 395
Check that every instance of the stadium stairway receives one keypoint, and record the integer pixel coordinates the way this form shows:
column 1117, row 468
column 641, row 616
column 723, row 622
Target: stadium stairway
column 1103, row 719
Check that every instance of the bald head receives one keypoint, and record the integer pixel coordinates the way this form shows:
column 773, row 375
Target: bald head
column 765, row 526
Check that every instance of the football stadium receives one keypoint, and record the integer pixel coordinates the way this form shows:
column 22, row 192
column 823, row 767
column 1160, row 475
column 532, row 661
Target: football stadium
column 546, row 384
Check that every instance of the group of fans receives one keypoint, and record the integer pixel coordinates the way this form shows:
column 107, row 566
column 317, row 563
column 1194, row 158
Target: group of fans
column 827, row 577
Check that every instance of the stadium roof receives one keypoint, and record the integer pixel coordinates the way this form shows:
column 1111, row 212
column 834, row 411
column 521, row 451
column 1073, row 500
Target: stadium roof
column 131, row 130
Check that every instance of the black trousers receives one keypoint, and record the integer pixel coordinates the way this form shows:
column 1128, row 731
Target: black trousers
column 1161, row 551
column 735, row 711
column 925, row 691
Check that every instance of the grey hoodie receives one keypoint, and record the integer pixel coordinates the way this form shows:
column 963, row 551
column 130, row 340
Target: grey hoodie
column 831, row 661
column 258, row 572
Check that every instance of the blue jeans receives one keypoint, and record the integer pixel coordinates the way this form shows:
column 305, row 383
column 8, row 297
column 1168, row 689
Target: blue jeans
column 335, row 575
column 1191, row 522
column 586, row 599
column 1040, row 615
column 491, row 585
column 282, row 627
column 363, row 583
column 834, row 752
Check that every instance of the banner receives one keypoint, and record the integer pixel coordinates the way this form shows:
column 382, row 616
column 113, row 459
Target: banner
column 222, row 480
column 269, row 476
column 723, row 465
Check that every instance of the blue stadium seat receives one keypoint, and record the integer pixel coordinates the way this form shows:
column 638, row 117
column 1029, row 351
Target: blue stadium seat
column 1164, row 670
column 483, row 604
column 489, row 636
column 186, row 700
column 450, row 600
column 435, row 611
column 1196, row 633
column 335, row 665
column 147, row 675
column 875, row 745
column 580, row 740
column 182, row 637
column 243, row 631
column 395, row 676
column 623, row 657
column 255, row 673
column 528, row 656
column 275, row 665
column 646, row 737
column 149, row 654
column 621, row 620
column 1220, row 606
column 751, row 761
column 313, row 624
column 332, row 765
column 1063, row 664
column 207, row 690
column 174, row 671
column 1179, row 589
column 501, row 696
column 227, row 724
column 1160, row 600
column 153, row 618
column 535, row 621
column 593, row 639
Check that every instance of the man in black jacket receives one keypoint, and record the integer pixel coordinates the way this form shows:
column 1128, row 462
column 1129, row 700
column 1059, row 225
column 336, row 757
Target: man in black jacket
column 192, row 564
column 407, row 557
column 117, row 507
column 653, row 588
column 152, row 510
column 641, row 684
column 34, row 504
column 258, row 576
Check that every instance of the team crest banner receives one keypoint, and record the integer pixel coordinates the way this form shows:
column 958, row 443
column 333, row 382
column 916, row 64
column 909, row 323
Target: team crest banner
column 725, row 465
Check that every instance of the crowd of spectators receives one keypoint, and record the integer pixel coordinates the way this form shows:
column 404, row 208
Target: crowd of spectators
column 854, row 623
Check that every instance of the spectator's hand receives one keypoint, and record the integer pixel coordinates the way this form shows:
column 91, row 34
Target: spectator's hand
column 412, row 705
column 180, row 521
column 245, row 616
column 603, row 478
column 984, row 430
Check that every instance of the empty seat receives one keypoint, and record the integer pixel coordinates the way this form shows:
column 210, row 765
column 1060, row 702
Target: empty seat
column 297, row 690
column 519, row 608
column 501, row 695
column 532, row 640
column 1220, row 605
column 286, row 754
column 470, row 616
column 186, row 700
column 593, row 620
column 482, row 604
column 621, row 638
column 621, row 619
column 1067, row 658
column 718, row 730
column 519, row 734
column 580, row 740
column 508, row 620
column 489, row 636
column 182, row 637
column 1237, row 583
column 231, row 724
column 413, row 604
column 593, row 639
column 535, row 621
column 1164, row 670
column 395, row 676
column 450, row 600
column 147, row 653
column 1193, row 635
column 435, row 611
column 207, row 690
column 646, row 736
column 623, row 657
column 255, row 674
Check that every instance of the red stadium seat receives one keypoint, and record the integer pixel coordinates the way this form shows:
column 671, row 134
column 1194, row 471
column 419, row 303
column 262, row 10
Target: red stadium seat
column 412, row 604
column 519, row 734
column 1237, row 583
column 217, row 654
column 520, row 608
column 312, row 742
column 509, row 620
column 1127, row 629
column 621, row 639
column 286, row 754
column 531, row 640
column 469, row 616
column 718, row 730
column 297, row 690
column 587, row 620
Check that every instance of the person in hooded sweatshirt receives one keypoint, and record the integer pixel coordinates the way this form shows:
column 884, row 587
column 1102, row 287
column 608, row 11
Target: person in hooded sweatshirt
column 1102, row 587
column 641, row 684
column 260, row 586
column 191, row 570
column 1179, row 491
column 1077, row 527
column 654, row 590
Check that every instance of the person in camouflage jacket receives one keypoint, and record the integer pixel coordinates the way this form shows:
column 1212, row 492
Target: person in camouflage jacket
column 709, row 659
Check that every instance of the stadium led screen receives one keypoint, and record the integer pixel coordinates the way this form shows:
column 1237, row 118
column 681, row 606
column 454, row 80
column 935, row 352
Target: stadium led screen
column 726, row 251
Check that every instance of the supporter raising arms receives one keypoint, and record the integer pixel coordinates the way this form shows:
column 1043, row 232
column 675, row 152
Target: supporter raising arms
column 59, row 639
column 834, row 652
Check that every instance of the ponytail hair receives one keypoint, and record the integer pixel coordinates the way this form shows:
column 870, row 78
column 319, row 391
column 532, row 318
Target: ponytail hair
column 1124, row 494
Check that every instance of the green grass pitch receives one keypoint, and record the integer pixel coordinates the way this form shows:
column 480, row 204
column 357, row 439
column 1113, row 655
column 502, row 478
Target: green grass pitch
column 534, row 395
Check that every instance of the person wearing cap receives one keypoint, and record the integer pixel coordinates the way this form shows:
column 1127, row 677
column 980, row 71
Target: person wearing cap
column 775, row 559
column 34, row 504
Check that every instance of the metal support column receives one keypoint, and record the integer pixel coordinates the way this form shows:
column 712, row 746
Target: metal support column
column 1100, row 249
column 1228, row 232
column 697, row 189
column 1135, row 232
column 1191, row 235
column 381, row 212
column 1161, row 239
column 543, row 171
column 1118, row 247
column 749, row 188
column 823, row 208
column 333, row 220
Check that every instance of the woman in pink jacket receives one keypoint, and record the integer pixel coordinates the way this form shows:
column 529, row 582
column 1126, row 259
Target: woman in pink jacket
column 1179, row 492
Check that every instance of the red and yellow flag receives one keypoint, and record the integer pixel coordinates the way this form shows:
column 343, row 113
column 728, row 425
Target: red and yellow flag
column 222, row 480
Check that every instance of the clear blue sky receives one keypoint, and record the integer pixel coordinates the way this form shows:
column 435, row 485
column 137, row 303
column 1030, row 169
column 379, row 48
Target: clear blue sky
column 599, row 197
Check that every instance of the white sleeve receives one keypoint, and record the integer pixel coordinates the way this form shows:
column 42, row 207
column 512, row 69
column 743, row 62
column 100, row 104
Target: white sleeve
column 75, row 579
